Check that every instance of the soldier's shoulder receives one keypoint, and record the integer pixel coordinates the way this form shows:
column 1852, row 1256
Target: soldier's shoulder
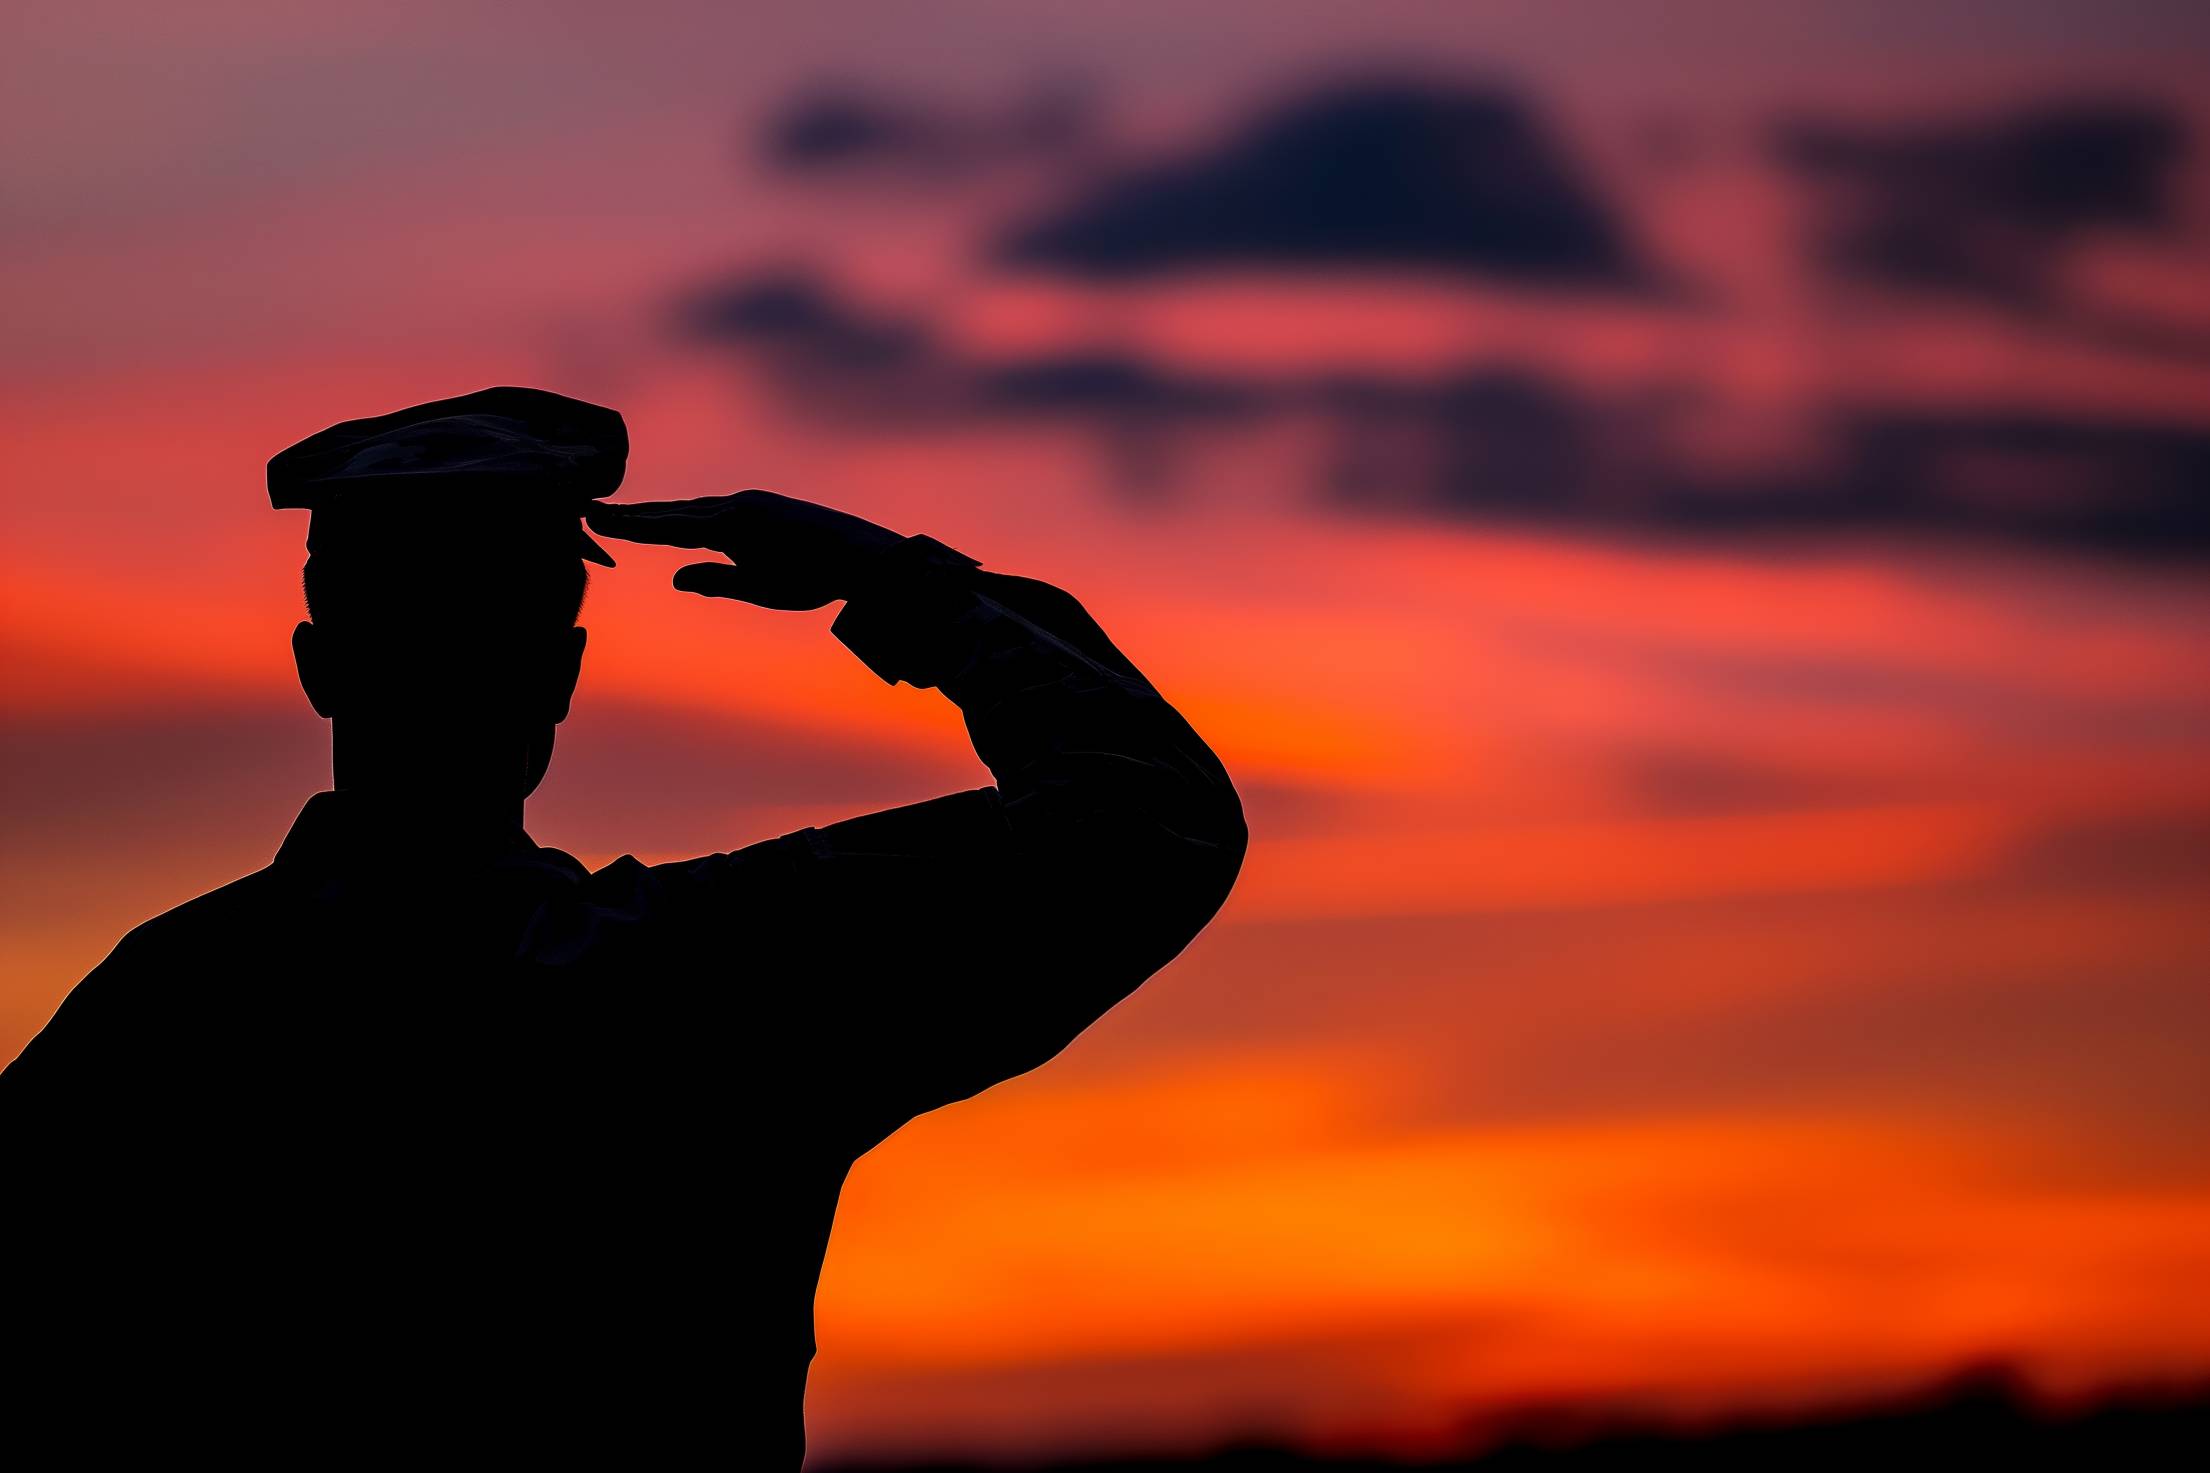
column 219, row 910
column 133, row 996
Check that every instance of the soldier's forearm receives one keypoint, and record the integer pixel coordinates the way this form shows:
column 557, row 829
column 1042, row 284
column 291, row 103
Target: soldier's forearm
column 1085, row 751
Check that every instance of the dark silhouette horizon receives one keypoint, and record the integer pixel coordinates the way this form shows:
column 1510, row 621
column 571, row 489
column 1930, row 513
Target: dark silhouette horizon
column 427, row 1136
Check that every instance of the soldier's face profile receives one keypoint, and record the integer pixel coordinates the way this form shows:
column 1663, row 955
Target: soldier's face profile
column 466, row 672
column 433, row 666
column 453, row 642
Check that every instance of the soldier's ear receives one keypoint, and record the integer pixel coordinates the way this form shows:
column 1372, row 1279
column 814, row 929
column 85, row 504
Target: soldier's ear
column 568, row 671
column 311, row 653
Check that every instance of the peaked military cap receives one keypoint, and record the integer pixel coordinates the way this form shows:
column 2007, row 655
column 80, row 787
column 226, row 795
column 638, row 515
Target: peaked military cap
column 519, row 462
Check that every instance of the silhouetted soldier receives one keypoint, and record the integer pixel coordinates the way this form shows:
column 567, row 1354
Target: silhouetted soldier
column 426, row 1140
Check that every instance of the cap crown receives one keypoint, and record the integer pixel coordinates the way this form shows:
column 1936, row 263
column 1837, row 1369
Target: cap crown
column 525, row 458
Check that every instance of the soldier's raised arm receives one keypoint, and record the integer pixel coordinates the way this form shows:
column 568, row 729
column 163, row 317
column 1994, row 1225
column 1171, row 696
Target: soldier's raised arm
column 941, row 947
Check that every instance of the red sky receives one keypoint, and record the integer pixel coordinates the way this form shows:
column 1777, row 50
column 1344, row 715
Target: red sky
column 1713, row 971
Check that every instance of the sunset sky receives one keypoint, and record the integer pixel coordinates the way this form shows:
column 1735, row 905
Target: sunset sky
column 1708, row 621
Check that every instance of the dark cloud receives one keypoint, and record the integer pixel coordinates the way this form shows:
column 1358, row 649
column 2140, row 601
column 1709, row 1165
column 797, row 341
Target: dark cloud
column 1483, row 440
column 832, row 360
column 1112, row 385
column 830, row 129
column 2073, row 479
column 1986, row 207
column 1508, row 443
column 1379, row 176
column 1144, row 412
column 842, row 129
column 1537, row 449
column 1516, row 445
column 828, row 357
column 790, row 313
column 1491, row 442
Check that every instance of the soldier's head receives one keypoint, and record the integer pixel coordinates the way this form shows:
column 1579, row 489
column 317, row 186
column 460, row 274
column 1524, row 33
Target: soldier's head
column 444, row 578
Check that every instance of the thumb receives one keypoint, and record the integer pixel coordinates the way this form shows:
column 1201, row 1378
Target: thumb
column 714, row 580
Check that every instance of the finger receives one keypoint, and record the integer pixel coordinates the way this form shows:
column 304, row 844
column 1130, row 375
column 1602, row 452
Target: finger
column 714, row 580
column 697, row 506
column 667, row 531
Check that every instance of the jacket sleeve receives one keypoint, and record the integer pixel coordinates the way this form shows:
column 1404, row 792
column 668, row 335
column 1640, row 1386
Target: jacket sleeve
column 936, row 949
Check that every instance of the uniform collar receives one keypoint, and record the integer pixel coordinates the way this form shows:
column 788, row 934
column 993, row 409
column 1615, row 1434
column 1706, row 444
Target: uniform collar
column 347, row 830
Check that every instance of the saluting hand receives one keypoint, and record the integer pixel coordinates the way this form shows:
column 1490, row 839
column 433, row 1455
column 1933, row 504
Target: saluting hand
column 783, row 553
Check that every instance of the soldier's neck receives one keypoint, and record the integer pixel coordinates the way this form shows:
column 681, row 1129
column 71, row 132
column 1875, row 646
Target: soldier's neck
column 457, row 787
